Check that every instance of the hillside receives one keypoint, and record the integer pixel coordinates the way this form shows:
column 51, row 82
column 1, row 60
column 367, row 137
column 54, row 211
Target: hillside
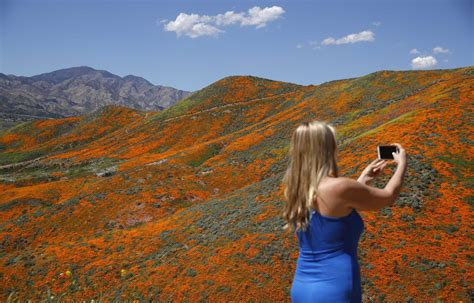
column 75, row 91
column 184, row 204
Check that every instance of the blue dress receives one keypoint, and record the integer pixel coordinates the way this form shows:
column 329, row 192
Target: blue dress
column 327, row 269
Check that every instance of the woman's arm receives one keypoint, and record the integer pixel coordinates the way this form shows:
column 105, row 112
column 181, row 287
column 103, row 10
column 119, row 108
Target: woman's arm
column 365, row 197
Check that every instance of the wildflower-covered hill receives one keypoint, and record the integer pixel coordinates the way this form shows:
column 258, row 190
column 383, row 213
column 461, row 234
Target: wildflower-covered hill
column 184, row 204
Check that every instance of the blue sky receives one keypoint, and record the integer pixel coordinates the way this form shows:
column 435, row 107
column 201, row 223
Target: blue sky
column 304, row 42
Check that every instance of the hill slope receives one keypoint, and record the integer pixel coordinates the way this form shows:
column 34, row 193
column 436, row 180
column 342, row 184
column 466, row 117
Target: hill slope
column 185, row 204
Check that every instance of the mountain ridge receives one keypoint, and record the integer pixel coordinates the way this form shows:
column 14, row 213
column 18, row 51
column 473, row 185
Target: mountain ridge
column 77, row 90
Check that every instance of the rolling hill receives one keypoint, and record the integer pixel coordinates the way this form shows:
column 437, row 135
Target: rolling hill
column 184, row 204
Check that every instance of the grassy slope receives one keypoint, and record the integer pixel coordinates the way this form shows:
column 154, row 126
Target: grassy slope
column 192, row 211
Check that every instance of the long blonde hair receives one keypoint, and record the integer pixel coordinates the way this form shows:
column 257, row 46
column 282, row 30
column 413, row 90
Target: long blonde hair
column 312, row 156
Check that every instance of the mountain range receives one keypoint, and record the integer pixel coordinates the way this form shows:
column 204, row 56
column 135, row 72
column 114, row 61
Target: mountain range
column 75, row 91
column 184, row 204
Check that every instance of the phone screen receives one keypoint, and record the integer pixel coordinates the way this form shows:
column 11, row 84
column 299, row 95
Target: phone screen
column 385, row 151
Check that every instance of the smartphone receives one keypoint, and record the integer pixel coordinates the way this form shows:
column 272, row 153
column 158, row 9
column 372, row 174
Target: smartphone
column 385, row 151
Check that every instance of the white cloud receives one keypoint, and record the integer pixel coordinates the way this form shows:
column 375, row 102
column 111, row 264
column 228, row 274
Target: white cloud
column 352, row 38
column 194, row 25
column 259, row 17
column 299, row 45
column 440, row 50
column 229, row 18
column 378, row 23
column 414, row 51
column 423, row 62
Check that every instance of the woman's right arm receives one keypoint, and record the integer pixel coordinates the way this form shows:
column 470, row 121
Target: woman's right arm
column 365, row 197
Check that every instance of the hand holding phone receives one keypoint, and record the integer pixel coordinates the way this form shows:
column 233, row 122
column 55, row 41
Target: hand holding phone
column 392, row 151
column 385, row 152
column 401, row 156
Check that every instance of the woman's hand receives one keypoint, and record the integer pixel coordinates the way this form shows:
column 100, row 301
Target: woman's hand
column 400, row 157
column 372, row 171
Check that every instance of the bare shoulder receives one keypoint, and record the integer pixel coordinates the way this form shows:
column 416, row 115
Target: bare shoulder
column 343, row 184
column 345, row 189
column 334, row 192
column 354, row 194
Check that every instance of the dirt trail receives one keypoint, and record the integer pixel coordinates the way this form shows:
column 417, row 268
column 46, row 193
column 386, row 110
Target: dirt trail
column 228, row 105
column 7, row 166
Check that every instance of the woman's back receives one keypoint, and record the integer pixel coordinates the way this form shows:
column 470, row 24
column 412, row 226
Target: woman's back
column 327, row 268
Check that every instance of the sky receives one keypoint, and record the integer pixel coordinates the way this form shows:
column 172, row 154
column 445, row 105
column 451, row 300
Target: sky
column 189, row 45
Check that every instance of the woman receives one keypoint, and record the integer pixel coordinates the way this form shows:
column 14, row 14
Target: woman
column 322, row 208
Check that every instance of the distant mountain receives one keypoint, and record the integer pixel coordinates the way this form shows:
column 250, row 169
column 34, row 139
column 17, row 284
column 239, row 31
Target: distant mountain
column 76, row 91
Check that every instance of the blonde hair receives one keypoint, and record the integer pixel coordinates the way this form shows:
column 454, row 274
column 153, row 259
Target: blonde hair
column 312, row 156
